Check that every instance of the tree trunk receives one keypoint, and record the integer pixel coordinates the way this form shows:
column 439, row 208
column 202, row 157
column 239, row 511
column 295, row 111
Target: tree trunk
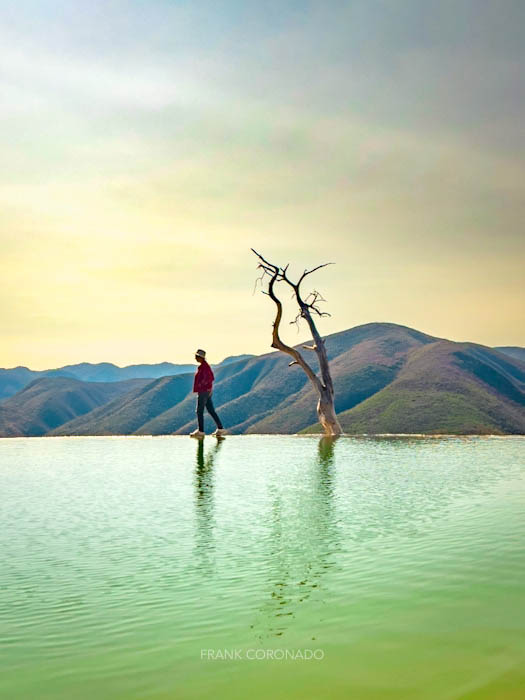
column 327, row 416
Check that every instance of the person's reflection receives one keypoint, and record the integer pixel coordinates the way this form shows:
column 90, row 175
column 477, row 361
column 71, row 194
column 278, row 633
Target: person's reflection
column 304, row 538
column 204, row 518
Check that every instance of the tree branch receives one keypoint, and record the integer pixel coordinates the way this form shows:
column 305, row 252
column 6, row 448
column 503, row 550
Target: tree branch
column 277, row 343
column 309, row 272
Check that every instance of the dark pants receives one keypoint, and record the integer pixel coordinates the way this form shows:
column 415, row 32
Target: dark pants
column 204, row 401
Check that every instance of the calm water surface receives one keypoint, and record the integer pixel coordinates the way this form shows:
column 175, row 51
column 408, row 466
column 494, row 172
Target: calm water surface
column 400, row 561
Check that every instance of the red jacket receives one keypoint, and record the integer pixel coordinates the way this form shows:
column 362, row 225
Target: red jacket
column 203, row 378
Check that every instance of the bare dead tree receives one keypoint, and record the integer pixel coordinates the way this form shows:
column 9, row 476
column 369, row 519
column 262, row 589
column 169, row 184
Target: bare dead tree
column 308, row 307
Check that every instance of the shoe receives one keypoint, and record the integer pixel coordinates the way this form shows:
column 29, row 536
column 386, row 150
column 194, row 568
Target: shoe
column 197, row 433
column 219, row 432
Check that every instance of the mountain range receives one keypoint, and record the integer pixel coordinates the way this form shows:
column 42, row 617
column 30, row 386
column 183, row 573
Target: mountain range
column 16, row 378
column 388, row 378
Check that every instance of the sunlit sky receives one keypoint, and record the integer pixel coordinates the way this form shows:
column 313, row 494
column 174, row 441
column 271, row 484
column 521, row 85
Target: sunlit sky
column 148, row 145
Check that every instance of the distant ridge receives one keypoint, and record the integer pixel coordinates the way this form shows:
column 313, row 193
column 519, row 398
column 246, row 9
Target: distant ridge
column 513, row 351
column 16, row 378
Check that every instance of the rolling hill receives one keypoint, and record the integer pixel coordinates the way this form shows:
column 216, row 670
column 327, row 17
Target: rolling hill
column 51, row 401
column 264, row 395
column 446, row 387
column 387, row 377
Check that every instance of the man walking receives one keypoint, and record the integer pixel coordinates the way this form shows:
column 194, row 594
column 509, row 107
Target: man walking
column 203, row 386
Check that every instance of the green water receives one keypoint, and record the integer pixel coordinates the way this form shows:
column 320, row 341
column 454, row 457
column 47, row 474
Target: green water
column 130, row 565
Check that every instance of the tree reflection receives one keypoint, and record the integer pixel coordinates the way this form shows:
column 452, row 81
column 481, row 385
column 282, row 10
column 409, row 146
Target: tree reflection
column 304, row 539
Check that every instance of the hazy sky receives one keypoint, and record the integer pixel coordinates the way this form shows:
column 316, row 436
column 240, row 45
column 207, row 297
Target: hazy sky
column 147, row 145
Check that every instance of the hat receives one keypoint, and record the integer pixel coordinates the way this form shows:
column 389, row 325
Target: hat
column 200, row 353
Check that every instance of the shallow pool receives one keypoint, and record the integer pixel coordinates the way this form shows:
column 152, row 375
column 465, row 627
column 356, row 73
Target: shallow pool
column 262, row 567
